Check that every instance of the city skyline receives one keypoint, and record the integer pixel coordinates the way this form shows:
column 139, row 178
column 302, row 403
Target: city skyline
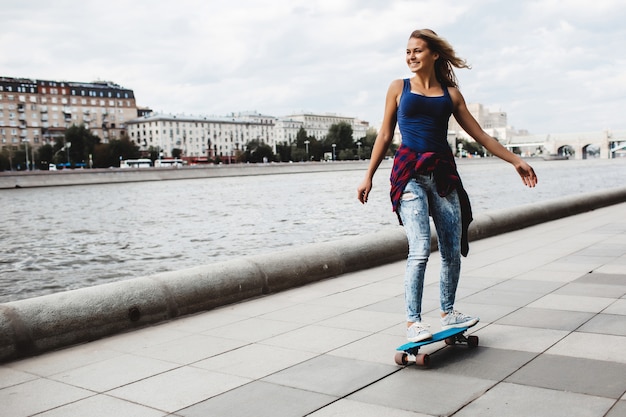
column 549, row 65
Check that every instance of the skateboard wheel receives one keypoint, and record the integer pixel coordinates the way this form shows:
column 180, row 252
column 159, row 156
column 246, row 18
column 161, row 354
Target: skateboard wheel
column 401, row 358
column 422, row 359
column 450, row 341
column 472, row 341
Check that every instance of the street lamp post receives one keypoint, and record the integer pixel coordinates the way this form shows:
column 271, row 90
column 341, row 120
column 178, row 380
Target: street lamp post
column 26, row 152
column 358, row 145
column 306, row 145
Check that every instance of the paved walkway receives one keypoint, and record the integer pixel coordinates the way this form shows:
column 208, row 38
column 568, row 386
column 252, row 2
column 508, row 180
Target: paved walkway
column 552, row 302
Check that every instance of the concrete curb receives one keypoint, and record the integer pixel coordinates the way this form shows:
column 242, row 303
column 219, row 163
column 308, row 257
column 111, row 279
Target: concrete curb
column 31, row 179
column 33, row 326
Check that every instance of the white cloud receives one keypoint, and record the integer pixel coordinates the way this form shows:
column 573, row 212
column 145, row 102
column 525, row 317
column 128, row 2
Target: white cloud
column 553, row 66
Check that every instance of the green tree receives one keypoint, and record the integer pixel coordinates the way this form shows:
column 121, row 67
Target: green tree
column 109, row 154
column 367, row 143
column 469, row 147
column 301, row 136
column 339, row 134
column 154, row 152
column 44, row 156
column 283, row 152
column 19, row 159
column 257, row 151
column 315, row 148
column 5, row 160
column 82, row 142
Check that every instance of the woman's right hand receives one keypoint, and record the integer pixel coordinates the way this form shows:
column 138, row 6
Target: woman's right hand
column 363, row 190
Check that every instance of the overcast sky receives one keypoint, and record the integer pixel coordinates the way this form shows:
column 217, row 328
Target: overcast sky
column 554, row 66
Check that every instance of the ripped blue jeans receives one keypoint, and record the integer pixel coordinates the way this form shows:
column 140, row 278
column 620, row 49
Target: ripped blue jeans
column 418, row 200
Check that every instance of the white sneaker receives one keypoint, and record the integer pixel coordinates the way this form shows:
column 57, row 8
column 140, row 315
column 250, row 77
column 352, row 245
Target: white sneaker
column 418, row 332
column 456, row 319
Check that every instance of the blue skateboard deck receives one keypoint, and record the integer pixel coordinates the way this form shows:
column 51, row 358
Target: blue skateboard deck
column 451, row 336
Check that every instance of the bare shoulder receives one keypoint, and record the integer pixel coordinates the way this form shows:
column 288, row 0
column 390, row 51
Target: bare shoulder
column 455, row 93
column 396, row 85
column 456, row 96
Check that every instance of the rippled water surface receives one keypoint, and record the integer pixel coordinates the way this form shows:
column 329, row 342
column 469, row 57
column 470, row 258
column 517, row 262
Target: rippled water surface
column 61, row 238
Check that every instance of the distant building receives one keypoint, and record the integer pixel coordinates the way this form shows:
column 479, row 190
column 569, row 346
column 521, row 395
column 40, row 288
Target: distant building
column 37, row 111
column 317, row 125
column 200, row 137
column 494, row 123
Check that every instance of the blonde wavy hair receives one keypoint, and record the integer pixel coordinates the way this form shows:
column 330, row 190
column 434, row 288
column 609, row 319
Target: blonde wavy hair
column 447, row 61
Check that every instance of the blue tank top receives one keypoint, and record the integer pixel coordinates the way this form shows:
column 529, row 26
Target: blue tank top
column 423, row 121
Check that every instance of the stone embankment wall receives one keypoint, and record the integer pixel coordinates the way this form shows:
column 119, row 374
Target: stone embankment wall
column 28, row 179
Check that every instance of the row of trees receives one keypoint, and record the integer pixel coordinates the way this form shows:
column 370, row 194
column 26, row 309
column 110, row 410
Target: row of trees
column 337, row 145
column 79, row 147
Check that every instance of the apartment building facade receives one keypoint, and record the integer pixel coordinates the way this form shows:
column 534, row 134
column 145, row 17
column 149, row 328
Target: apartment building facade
column 214, row 136
column 317, row 125
column 200, row 136
column 494, row 123
column 39, row 111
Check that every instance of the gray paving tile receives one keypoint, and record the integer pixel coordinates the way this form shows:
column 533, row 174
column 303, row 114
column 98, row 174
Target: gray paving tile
column 190, row 349
column 349, row 408
column 488, row 313
column 254, row 361
column 65, row 359
column 179, row 388
column 572, row 303
column 103, row 406
column 593, row 290
column 364, row 320
column 602, row 250
column 598, row 278
column 305, row 313
column 592, row 346
column 549, row 273
column 253, row 330
column 316, row 339
column 421, row 390
column 105, row 375
column 606, row 324
column 584, row 376
column 259, row 399
column 37, row 396
column 618, row 410
column 9, row 377
column 526, row 339
column 583, row 262
column 546, row 319
column 479, row 362
column 618, row 307
column 392, row 305
column 379, row 347
column 331, row 375
column 499, row 297
column 512, row 400
column 525, row 285
column 353, row 298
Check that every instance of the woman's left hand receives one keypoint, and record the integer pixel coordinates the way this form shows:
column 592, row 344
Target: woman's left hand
column 527, row 173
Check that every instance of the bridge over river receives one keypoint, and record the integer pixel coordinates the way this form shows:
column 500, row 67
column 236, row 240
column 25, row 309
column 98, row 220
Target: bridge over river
column 605, row 144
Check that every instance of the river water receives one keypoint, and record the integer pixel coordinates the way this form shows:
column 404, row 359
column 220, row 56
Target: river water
column 61, row 238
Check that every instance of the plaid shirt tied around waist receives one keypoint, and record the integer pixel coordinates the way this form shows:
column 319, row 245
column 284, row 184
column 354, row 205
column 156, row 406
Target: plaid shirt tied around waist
column 408, row 163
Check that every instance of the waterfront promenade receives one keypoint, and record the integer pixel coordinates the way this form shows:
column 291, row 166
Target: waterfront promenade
column 551, row 298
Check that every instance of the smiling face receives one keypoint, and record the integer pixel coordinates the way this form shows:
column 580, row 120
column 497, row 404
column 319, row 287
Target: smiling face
column 418, row 56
